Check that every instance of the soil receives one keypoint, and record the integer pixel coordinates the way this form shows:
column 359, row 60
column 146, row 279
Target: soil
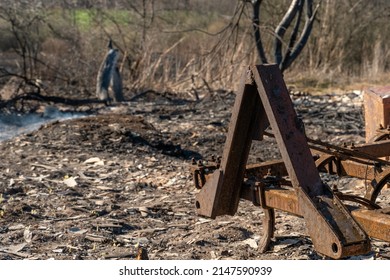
column 101, row 186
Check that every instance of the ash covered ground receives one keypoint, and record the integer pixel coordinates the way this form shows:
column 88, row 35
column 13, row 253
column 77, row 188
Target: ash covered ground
column 98, row 187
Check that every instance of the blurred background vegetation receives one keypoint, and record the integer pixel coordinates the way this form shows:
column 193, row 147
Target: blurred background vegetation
column 185, row 46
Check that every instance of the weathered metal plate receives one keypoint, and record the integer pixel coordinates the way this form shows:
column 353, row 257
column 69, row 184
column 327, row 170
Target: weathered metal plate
column 377, row 149
column 287, row 128
column 376, row 110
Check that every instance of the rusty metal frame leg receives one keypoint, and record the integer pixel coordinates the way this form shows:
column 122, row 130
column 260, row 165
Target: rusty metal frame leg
column 221, row 194
column 333, row 230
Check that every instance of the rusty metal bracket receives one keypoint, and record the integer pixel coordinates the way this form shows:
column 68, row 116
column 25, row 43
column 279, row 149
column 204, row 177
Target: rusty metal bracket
column 259, row 199
column 263, row 101
column 261, row 189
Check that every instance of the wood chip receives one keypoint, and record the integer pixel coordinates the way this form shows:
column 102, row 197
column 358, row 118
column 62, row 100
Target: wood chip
column 96, row 238
column 107, row 225
column 120, row 255
column 94, row 161
column 71, row 182
column 16, row 248
column 16, row 227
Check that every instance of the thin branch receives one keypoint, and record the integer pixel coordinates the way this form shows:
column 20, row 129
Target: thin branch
column 310, row 17
column 294, row 35
column 5, row 73
column 134, row 8
column 283, row 26
column 35, row 96
column 256, row 29
column 198, row 30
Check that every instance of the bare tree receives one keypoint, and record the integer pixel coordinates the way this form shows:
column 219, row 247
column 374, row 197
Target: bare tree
column 300, row 17
column 25, row 24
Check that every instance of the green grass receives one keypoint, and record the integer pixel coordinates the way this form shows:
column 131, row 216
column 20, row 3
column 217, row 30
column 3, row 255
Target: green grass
column 86, row 19
column 83, row 18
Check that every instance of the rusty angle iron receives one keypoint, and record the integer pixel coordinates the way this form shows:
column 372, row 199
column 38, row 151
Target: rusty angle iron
column 337, row 229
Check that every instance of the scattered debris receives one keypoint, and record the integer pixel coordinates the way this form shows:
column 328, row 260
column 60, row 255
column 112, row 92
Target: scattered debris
column 130, row 158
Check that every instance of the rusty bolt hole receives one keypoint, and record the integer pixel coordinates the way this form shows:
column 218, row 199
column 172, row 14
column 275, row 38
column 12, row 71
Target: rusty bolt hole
column 335, row 248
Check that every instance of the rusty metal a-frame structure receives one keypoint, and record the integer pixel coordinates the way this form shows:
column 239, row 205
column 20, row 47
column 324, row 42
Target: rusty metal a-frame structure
column 293, row 184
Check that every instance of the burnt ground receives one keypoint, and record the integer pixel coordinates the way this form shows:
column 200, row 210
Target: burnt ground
column 98, row 187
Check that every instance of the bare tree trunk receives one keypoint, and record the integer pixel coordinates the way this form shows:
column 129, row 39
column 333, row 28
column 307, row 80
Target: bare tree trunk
column 305, row 34
column 296, row 6
column 294, row 45
column 257, row 33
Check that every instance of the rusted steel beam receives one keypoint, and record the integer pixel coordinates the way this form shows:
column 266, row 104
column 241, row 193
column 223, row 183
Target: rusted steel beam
column 358, row 170
column 376, row 175
column 287, row 128
column 333, row 231
column 343, row 152
column 369, row 151
column 259, row 170
column 221, row 194
column 377, row 149
column 376, row 223
column 376, row 110
column 353, row 167
column 280, row 199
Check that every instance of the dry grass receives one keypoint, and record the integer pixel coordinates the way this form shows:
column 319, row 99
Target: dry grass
column 173, row 49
